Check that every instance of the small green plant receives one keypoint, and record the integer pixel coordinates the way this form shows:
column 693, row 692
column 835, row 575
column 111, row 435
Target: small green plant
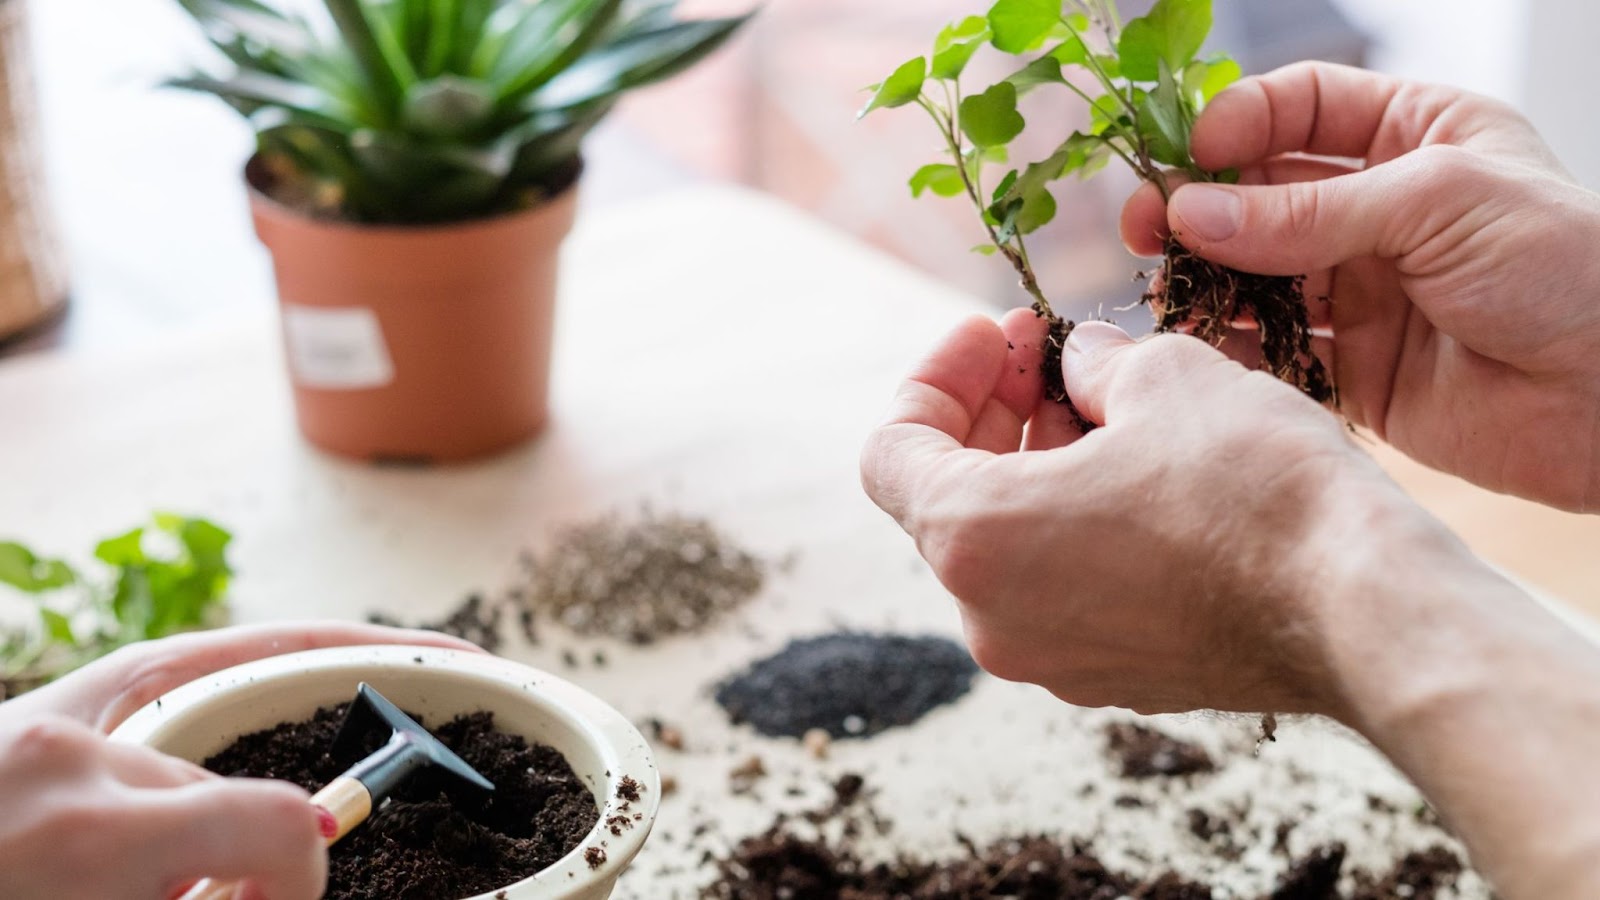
column 1144, row 82
column 417, row 111
column 163, row 579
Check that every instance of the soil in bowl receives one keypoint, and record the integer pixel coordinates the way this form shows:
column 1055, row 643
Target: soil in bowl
column 434, row 839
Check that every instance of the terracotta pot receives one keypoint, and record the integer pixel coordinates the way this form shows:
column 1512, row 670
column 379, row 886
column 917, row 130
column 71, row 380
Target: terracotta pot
column 206, row 716
column 417, row 344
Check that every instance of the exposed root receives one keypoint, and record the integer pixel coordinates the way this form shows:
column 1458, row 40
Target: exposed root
column 1208, row 299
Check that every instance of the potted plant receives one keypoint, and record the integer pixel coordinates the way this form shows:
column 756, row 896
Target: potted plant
column 415, row 174
column 1144, row 82
column 610, row 756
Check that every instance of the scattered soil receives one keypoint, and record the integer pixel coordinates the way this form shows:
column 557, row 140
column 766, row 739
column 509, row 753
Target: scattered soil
column 1207, row 298
column 1419, row 876
column 640, row 580
column 475, row 620
column 435, row 838
column 1316, row 877
column 780, row 865
column 849, row 685
column 1142, row 752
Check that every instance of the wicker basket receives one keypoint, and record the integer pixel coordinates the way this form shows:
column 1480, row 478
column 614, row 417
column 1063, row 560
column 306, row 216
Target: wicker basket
column 32, row 273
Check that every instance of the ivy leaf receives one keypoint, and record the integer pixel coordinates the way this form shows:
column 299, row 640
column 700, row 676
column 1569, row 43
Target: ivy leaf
column 1020, row 26
column 1164, row 121
column 1044, row 70
column 1173, row 32
column 1203, row 80
column 22, row 569
column 956, row 45
column 899, row 89
column 990, row 119
column 941, row 178
column 57, row 627
column 1071, row 52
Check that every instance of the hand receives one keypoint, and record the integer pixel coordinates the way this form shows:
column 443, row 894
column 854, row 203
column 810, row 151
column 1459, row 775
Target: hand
column 107, row 691
column 1165, row 562
column 86, row 818
column 1457, row 253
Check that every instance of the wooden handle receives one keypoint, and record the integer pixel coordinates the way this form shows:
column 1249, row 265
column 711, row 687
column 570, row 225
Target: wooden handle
column 347, row 805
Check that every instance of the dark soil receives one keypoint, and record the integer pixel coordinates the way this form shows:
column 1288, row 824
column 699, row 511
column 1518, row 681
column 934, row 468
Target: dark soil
column 1419, row 876
column 849, row 685
column 475, row 620
column 779, row 865
column 434, row 839
column 1209, row 298
column 640, row 579
column 1142, row 752
column 1316, row 877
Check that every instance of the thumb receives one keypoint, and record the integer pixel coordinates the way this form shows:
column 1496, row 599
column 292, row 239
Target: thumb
column 1387, row 211
column 1110, row 375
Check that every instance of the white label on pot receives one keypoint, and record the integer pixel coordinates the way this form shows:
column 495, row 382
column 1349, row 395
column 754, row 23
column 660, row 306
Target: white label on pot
column 336, row 348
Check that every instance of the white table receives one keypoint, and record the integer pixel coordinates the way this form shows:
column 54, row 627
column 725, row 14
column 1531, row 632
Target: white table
column 720, row 355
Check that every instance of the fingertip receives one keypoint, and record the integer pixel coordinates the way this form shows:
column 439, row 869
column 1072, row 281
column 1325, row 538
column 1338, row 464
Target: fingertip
column 1144, row 225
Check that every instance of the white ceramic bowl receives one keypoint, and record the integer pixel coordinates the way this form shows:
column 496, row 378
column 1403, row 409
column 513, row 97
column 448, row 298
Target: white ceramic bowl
column 205, row 716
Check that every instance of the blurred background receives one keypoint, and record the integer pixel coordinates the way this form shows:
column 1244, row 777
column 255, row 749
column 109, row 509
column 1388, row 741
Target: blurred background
column 144, row 182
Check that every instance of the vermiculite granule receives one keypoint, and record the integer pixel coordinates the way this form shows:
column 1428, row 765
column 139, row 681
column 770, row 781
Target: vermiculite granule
column 848, row 684
column 640, row 579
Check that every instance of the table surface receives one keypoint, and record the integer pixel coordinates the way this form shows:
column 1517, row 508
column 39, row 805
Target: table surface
column 718, row 354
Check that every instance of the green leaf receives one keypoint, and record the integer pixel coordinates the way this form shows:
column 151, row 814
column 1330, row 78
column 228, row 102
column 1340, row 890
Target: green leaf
column 57, row 627
column 986, row 249
column 990, row 119
column 1004, row 187
column 250, row 92
column 1173, row 32
column 941, row 178
column 1044, row 70
column 1164, row 121
column 1038, row 210
column 22, row 569
column 376, row 48
column 125, row 550
column 634, row 61
column 1020, row 26
column 448, row 106
column 1203, row 80
column 1107, row 111
column 548, row 39
column 899, row 89
column 956, row 45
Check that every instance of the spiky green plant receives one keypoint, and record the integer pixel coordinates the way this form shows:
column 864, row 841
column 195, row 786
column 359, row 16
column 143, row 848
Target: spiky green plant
column 420, row 111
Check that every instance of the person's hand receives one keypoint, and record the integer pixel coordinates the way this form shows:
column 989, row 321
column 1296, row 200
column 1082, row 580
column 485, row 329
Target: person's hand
column 86, row 818
column 109, row 690
column 1458, row 255
column 1167, row 561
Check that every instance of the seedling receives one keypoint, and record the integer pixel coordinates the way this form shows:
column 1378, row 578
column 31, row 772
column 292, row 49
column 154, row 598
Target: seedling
column 163, row 579
column 1145, row 83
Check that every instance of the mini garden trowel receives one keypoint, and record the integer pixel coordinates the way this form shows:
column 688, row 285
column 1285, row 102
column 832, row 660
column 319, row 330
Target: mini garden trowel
column 351, row 798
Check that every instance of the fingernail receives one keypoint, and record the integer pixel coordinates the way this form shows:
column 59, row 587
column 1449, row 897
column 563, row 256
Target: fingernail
column 1208, row 213
column 1093, row 337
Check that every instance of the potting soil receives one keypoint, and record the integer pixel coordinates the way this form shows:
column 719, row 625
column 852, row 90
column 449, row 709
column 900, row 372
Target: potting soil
column 848, row 684
column 435, row 839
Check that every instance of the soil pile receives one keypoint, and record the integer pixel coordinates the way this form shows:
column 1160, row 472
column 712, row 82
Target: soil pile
column 661, row 575
column 435, row 838
column 778, row 865
column 848, row 684
column 1141, row 752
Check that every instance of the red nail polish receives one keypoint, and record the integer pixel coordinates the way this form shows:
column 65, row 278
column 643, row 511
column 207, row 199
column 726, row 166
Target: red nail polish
column 327, row 824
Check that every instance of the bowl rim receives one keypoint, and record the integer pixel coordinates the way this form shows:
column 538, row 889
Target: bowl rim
column 618, row 743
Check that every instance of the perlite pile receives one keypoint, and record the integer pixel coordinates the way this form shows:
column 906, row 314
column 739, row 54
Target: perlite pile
column 640, row 579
